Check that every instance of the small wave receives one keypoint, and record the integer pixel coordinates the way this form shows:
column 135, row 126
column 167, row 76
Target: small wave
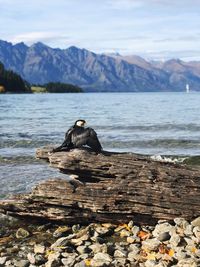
column 152, row 128
column 168, row 159
column 18, row 159
column 162, row 143
column 188, row 160
column 24, row 143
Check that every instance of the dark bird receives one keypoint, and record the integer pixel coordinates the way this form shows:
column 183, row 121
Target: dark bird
column 77, row 136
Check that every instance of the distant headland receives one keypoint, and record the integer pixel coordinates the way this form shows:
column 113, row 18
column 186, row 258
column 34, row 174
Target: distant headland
column 11, row 82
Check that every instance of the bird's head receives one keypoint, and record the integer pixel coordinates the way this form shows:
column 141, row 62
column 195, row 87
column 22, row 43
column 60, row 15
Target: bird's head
column 80, row 123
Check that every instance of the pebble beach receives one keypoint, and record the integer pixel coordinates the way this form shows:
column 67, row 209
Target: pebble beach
column 26, row 244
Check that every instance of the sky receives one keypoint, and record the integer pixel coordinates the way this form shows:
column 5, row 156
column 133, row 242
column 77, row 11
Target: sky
column 153, row 29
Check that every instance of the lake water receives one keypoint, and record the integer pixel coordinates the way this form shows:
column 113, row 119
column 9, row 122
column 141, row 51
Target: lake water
column 147, row 123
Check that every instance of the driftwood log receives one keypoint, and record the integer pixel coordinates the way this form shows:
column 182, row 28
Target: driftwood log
column 110, row 187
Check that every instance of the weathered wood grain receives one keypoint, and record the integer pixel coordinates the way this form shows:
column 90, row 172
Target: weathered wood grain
column 111, row 187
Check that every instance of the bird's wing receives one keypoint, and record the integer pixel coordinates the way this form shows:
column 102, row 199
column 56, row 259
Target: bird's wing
column 68, row 135
column 93, row 140
column 80, row 138
column 67, row 142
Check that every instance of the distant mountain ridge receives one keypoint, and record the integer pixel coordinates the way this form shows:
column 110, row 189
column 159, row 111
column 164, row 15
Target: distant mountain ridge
column 41, row 64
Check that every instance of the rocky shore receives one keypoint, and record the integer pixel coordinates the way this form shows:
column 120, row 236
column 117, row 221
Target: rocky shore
column 175, row 243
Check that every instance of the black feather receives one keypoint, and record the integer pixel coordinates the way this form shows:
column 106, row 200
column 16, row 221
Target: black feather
column 77, row 137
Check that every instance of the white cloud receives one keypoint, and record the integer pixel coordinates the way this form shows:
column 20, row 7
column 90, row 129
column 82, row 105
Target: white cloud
column 124, row 4
column 33, row 37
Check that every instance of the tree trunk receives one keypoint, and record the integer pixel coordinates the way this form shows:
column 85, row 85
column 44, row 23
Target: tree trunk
column 110, row 187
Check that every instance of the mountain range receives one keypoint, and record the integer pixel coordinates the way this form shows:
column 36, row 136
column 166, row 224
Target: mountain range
column 40, row 64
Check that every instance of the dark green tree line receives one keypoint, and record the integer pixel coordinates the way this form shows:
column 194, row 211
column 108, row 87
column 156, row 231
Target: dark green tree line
column 58, row 87
column 11, row 82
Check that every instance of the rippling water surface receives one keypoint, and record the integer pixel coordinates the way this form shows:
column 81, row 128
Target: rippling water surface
column 148, row 123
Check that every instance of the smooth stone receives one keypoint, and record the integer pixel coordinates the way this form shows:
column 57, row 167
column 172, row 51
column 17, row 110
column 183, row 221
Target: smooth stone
column 134, row 247
column 130, row 224
column 96, row 248
column 31, row 258
column 150, row 244
column 22, row 233
column 175, row 240
column 62, row 242
column 124, row 233
column 196, row 231
column 102, row 231
column 80, row 264
column 60, row 231
column 164, row 236
column 196, row 222
column 120, row 254
column 181, row 222
column 134, row 253
column 188, row 231
column 150, row 263
column 132, row 239
column 162, row 228
column 79, row 241
column 54, row 256
column 119, row 228
column 69, row 261
column 87, row 243
column 8, row 263
column 119, row 247
column 101, row 259
column 21, row 263
column 3, row 260
column 135, row 230
column 40, row 249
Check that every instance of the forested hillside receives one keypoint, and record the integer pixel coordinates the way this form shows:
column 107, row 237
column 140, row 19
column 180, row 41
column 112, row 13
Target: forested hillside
column 11, row 82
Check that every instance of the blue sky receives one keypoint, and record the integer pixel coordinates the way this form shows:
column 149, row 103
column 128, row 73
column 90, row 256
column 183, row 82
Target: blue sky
column 155, row 29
